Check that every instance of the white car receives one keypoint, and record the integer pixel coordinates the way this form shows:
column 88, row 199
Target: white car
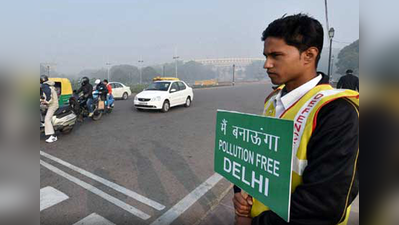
column 163, row 95
column 120, row 90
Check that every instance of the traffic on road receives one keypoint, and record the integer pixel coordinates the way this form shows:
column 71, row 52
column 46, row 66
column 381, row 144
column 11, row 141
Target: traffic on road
column 141, row 167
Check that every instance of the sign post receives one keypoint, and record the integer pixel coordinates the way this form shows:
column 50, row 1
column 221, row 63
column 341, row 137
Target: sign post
column 255, row 153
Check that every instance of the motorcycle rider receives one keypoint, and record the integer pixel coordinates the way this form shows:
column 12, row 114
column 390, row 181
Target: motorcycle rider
column 87, row 90
column 102, row 90
column 110, row 97
column 49, row 99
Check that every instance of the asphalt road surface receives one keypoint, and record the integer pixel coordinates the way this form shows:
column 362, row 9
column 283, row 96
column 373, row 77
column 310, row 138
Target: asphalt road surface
column 141, row 167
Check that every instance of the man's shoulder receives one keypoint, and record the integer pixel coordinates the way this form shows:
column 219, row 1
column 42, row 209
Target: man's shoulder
column 272, row 94
column 341, row 107
column 45, row 86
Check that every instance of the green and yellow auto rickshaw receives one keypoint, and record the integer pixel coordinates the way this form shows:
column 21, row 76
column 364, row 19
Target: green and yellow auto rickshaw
column 64, row 89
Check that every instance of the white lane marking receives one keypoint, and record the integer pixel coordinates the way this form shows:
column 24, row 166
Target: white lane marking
column 94, row 219
column 50, row 196
column 97, row 191
column 173, row 213
column 110, row 184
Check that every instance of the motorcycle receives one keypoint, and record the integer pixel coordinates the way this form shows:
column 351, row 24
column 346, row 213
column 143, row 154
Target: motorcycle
column 64, row 119
column 79, row 106
column 103, row 103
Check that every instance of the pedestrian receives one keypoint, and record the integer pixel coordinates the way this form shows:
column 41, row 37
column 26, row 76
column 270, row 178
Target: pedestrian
column 326, row 137
column 349, row 81
column 48, row 98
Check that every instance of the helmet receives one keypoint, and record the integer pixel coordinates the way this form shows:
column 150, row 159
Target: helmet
column 97, row 82
column 85, row 80
column 43, row 78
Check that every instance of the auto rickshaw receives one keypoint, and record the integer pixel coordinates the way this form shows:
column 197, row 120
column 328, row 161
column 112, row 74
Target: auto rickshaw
column 64, row 89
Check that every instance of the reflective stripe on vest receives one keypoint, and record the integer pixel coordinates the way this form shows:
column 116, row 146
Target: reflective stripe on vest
column 304, row 114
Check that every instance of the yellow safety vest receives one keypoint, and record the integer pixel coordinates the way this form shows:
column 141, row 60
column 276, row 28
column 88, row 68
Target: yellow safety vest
column 304, row 114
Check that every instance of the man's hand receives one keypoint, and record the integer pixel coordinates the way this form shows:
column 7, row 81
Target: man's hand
column 242, row 204
column 43, row 102
column 243, row 220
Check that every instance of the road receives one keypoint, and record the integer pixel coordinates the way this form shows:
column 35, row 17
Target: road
column 142, row 167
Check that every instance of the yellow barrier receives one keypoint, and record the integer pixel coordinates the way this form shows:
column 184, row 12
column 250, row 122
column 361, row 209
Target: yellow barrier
column 213, row 82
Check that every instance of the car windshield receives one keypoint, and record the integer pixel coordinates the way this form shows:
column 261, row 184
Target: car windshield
column 158, row 86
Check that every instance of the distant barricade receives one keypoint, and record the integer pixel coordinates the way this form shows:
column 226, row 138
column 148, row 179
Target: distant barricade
column 213, row 82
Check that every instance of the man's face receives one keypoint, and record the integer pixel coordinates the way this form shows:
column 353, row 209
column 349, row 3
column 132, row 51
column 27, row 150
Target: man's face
column 283, row 62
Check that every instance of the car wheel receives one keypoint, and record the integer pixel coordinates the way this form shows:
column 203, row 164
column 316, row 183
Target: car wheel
column 165, row 106
column 125, row 96
column 188, row 102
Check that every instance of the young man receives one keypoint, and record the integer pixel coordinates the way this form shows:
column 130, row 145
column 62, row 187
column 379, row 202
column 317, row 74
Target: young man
column 48, row 98
column 326, row 129
column 349, row 81
column 110, row 97
column 87, row 90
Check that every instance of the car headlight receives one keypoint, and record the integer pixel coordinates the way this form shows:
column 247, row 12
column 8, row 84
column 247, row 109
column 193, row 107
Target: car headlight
column 158, row 98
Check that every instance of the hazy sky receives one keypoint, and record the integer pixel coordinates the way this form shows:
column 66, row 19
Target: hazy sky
column 85, row 34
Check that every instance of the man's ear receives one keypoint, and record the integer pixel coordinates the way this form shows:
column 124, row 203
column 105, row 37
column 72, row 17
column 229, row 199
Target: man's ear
column 310, row 55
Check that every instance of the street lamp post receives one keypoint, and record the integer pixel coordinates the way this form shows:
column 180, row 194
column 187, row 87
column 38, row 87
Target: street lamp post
column 163, row 70
column 332, row 66
column 331, row 33
column 141, row 68
column 109, row 67
column 48, row 67
column 234, row 71
column 176, row 58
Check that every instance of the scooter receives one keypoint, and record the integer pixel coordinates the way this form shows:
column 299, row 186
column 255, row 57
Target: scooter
column 64, row 119
column 79, row 106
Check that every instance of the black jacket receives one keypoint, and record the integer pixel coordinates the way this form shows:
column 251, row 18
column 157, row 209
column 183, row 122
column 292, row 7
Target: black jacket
column 349, row 81
column 331, row 177
column 102, row 90
column 87, row 90
column 45, row 91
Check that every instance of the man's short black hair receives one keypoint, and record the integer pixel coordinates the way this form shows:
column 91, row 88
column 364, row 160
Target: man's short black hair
column 300, row 31
column 349, row 71
column 105, row 80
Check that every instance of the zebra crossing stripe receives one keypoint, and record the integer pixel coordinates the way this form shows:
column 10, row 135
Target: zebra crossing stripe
column 50, row 196
column 94, row 219
column 97, row 192
column 110, row 184
column 178, row 209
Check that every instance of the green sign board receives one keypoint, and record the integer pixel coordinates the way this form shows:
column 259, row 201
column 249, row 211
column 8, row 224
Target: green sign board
column 255, row 153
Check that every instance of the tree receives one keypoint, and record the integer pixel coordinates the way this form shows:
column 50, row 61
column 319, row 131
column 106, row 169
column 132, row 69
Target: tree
column 148, row 73
column 126, row 74
column 43, row 70
column 189, row 71
column 255, row 71
column 348, row 58
column 192, row 71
